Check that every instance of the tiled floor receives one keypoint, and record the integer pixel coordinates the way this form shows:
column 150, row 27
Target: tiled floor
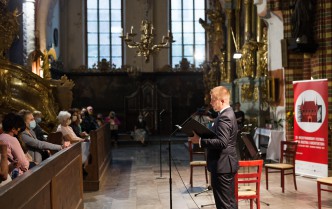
column 133, row 182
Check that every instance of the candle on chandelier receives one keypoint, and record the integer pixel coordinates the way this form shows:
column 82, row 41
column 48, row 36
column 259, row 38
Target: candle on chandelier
column 132, row 29
column 121, row 32
column 163, row 39
column 127, row 36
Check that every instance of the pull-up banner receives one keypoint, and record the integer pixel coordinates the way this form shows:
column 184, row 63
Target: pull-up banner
column 311, row 127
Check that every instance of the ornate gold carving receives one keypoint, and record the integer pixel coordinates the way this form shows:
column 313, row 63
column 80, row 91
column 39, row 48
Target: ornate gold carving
column 21, row 89
column 47, row 56
column 9, row 28
column 249, row 93
column 262, row 55
column 248, row 59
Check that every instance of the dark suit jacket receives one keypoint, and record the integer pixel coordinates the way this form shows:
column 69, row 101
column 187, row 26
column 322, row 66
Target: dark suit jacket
column 221, row 151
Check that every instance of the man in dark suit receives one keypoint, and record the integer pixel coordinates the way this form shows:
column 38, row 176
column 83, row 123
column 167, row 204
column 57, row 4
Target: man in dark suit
column 222, row 159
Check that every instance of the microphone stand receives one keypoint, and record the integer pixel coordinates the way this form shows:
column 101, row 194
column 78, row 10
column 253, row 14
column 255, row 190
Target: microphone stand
column 170, row 163
column 170, row 156
column 160, row 163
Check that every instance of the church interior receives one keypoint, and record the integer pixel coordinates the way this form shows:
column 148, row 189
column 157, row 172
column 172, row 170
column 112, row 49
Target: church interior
column 129, row 65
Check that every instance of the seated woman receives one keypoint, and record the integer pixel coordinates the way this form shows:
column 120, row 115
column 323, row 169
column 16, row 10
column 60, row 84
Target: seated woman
column 65, row 129
column 140, row 130
column 12, row 124
column 35, row 147
column 76, row 123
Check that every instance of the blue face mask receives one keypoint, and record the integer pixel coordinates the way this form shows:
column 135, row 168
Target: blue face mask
column 32, row 124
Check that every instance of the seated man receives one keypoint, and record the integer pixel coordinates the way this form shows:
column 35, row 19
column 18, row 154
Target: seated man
column 40, row 133
column 35, row 147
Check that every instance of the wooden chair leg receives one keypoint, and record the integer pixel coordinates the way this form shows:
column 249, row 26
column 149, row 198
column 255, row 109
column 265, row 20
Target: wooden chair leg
column 258, row 203
column 191, row 176
column 319, row 196
column 294, row 179
column 206, row 175
column 282, row 181
column 267, row 178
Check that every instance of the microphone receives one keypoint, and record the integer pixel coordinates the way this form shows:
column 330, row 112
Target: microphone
column 162, row 111
column 178, row 126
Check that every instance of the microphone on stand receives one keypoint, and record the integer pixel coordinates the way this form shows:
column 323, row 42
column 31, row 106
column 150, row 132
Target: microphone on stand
column 162, row 112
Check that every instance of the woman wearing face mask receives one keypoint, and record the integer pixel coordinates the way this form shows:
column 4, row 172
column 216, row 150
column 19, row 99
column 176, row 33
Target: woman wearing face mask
column 76, row 123
column 35, row 146
column 12, row 125
column 69, row 135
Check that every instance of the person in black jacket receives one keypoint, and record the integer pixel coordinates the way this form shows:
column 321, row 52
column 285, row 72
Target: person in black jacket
column 89, row 122
column 222, row 159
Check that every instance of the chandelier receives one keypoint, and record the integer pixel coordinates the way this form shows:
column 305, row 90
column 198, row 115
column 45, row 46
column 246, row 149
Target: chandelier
column 146, row 46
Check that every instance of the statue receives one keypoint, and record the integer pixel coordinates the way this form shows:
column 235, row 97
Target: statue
column 47, row 56
column 247, row 61
column 262, row 66
column 214, row 29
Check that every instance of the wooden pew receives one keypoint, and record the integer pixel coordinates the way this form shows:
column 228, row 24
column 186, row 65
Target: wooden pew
column 101, row 155
column 54, row 183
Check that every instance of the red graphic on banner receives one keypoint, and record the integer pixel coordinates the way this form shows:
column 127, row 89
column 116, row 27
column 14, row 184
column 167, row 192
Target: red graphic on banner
column 311, row 121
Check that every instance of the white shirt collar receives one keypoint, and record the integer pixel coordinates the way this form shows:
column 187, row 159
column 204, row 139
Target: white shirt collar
column 224, row 109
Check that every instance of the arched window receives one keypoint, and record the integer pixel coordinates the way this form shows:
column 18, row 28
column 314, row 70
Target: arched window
column 187, row 31
column 104, row 23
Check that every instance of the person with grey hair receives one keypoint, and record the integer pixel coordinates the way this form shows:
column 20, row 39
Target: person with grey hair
column 35, row 147
column 41, row 134
column 64, row 119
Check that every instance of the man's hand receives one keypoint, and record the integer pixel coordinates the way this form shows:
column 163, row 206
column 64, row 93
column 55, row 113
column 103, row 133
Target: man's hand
column 194, row 139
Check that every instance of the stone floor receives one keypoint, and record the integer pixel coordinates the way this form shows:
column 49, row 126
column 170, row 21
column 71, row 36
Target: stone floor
column 134, row 181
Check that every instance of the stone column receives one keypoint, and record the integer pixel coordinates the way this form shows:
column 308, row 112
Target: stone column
column 247, row 16
column 28, row 26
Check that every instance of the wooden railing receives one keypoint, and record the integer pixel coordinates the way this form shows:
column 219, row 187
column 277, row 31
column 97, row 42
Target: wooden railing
column 101, row 155
column 55, row 183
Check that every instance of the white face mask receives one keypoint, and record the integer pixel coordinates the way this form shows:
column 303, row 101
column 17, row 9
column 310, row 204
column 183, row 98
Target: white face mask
column 74, row 118
column 32, row 124
column 140, row 120
column 68, row 122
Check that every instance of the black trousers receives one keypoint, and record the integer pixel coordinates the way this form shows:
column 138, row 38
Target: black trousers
column 223, row 186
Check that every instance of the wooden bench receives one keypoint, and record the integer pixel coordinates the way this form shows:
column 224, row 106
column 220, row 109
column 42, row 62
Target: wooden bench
column 54, row 183
column 101, row 155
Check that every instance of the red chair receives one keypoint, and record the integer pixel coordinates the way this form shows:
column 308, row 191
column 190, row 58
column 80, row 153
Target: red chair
column 195, row 150
column 287, row 163
column 250, row 182
column 323, row 181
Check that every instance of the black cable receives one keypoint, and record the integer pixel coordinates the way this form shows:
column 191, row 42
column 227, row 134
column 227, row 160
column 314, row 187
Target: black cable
column 176, row 168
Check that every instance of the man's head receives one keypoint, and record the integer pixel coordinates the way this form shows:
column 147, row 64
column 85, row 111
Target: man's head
column 90, row 110
column 237, row 106
column 220, row 97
